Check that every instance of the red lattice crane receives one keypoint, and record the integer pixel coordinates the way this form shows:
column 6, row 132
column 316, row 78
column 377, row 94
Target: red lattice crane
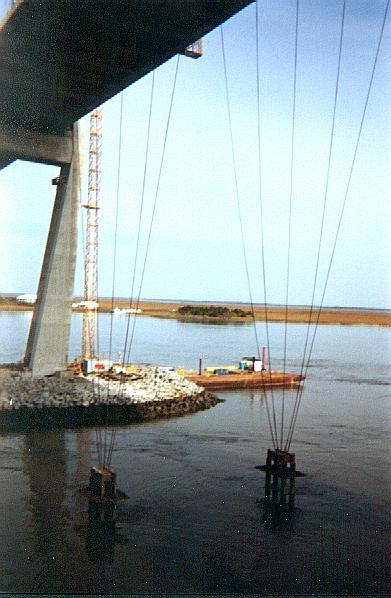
column 88, row 349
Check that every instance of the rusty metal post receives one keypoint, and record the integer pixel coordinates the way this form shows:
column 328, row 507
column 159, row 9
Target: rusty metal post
column 263, row 358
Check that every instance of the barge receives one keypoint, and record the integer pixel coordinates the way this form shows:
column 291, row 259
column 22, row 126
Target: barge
column 251, row 373
column 238, row 380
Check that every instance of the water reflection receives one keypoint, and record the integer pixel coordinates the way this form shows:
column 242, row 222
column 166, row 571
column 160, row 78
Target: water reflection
column 84, row 441
column 258, row 395
column 100, row 542
column 192, row 523
column 44, row 464
column 101, row 533
column 278, row 506
column 277, row 517
column 100, row 529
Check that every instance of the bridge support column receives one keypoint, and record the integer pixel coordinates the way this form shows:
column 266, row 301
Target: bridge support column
column 47, row 345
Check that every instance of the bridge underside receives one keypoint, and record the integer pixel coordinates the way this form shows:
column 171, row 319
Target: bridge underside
column 59, row 59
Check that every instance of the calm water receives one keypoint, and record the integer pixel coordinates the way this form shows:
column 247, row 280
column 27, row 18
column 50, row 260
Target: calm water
column 194, row 521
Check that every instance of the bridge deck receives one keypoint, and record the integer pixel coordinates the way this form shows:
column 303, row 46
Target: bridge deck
column 59, row 59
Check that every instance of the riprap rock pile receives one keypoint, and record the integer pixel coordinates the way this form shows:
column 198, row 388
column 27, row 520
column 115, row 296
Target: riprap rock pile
column 95, row 400
column 151, row 384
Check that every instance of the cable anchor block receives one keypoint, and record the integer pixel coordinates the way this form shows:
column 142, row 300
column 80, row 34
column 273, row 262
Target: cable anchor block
column 102, row 494
column 280, row 470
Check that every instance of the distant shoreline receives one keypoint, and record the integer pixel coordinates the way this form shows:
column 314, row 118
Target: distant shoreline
column 295, row 315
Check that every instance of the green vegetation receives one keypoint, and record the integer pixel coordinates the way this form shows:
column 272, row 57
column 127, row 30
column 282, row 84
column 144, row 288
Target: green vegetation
column 212, row 311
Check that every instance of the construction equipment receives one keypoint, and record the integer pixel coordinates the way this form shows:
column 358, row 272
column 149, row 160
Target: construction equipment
column 91, row 238
column 195, row 50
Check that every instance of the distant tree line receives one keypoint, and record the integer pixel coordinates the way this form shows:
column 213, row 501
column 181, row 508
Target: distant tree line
column 211, row 311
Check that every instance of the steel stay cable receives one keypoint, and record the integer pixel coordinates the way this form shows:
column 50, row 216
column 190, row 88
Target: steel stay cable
column 262, row 222
column 344, row 202
column 323, row 212
column 290, row 216
column 116, row 222
column 273, row 432
column 114, row 264
column 343, row 206
column 140, row 212
column 122, row 378
column 154, row 203
column 237, row 191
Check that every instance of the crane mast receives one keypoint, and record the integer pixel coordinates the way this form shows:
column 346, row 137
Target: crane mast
column 88, row 348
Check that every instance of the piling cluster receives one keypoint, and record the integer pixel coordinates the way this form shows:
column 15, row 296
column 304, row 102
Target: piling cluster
column 77, row 400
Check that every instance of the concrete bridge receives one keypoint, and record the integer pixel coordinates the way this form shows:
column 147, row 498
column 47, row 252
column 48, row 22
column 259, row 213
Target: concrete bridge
column 60, row 59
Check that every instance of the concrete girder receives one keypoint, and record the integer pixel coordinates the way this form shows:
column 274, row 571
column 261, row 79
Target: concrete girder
column 22, row 144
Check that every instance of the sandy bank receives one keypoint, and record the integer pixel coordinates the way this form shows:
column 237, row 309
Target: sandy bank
column 295, row 315
column 274, row 314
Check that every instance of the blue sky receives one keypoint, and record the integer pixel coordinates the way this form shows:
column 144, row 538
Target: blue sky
column 196, row 250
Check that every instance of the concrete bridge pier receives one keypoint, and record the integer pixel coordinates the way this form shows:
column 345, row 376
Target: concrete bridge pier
column 47, row 345
column 57, row 63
